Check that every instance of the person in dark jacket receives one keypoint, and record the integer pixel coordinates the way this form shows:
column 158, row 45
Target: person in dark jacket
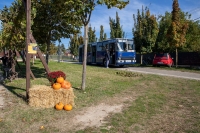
column 107, row 57
column 4, row 60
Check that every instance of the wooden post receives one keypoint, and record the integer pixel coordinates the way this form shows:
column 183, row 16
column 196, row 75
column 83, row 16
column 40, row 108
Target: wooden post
column 40, row 54
column 28, row 31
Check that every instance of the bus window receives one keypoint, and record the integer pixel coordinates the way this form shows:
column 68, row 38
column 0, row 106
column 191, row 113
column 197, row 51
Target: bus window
column 124, row 46
column 120, row 46
column 130, row 46
column 99, row 46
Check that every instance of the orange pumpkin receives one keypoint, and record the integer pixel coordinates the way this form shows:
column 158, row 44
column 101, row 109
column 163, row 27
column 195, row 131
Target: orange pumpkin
column 60, row 80
column 56, row 86
column 59, row 106
column 66, row 85
column 68, row 107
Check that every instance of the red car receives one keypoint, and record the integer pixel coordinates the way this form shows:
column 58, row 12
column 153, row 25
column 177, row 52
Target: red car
column 163, row 59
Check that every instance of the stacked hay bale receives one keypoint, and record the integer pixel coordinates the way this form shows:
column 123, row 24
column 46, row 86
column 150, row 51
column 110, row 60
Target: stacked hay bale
column 46, row 97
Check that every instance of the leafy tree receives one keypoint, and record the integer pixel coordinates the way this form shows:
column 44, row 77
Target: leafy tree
column 80, row 40
column 54, row 20
column 162, row 44
column 116, row 29
column 91, row 34
column 62, row 47
column 193, row 37
column 101, row 38
column 177, row 30
column 85, row 8
column 13, row 26
column 103, row 35
column 145, row 31
column 53, row 49
column 75, row 41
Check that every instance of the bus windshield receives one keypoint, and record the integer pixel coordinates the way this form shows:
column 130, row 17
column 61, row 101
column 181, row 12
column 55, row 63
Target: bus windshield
column 124, row 46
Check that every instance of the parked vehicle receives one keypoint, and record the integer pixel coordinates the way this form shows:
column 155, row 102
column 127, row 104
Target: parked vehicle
column 122, row 52
column 163, row 59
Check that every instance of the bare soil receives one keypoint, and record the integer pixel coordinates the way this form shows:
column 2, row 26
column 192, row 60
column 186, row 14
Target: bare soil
column 95, row 116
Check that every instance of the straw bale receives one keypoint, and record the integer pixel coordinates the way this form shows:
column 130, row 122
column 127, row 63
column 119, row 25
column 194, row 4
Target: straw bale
column 46, row 97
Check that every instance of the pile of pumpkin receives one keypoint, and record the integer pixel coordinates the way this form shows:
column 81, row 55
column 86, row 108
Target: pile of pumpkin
column 64, row 84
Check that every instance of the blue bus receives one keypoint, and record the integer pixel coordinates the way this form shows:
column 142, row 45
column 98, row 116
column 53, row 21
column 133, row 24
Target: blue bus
column 122, row 52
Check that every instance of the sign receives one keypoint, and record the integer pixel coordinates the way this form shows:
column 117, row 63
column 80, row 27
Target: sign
column 32, row 48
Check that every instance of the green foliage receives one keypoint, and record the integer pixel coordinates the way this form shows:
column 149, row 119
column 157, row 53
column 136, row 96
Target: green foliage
column 116, row 30
column 102, row 34
column 162, row 44
column 75, row 41
column 145, row 31
column 13, row 26
column 62, row 47
column 91, row 34
column 192, row 37
column 53, row 49
column 178, row 28
column 114, row 3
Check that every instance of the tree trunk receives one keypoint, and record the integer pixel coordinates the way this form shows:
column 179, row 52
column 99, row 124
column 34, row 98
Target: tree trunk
column 85, row 56
column 176, row 57
column 141, row 58
column 48, row 48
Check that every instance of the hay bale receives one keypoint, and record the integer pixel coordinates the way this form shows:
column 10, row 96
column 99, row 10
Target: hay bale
column 66, row 96
column 46, row 97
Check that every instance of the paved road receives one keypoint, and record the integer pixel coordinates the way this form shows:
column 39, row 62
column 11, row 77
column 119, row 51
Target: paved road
column 172, row 73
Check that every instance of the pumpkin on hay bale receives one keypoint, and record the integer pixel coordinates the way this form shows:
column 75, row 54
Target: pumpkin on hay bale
column 46, row 97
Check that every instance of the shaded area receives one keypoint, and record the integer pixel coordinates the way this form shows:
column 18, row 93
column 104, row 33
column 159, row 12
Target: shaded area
column 37, row 72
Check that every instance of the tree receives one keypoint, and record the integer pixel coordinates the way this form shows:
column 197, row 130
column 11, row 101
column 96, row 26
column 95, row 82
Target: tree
column 145, row 31
column 177, row 30
column 13, row 26
column 75, row 41
column 193, row 37
column 91, row 35
column 103, row 35
column 54, row 20
column 85, row 8
column 162, row 44
column 53, row 49
column 62, row 47
column 116, row 29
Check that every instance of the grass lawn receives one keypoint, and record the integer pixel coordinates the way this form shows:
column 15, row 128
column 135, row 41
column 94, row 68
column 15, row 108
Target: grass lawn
column 149, row 103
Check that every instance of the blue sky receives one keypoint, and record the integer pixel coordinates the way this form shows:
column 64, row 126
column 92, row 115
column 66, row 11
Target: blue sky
column 100, row 16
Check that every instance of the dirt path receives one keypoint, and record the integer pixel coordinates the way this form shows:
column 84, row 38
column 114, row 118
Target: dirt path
column 95, row 116
column 2, row 91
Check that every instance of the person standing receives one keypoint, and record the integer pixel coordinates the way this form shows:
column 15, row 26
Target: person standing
column 107, row 57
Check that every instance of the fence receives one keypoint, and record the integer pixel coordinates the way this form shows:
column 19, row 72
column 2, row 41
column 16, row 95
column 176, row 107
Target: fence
column 62, row 58
column 184, row 58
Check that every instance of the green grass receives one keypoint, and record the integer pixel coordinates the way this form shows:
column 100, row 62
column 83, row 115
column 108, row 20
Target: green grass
column 155, row 103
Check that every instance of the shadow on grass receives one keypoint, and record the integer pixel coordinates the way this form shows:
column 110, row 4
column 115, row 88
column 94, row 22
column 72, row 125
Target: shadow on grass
column 19, row 92
column 12, row 90
column 37, row 72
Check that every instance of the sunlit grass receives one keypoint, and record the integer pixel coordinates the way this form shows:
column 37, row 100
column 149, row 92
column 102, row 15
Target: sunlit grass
column 157, row 99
